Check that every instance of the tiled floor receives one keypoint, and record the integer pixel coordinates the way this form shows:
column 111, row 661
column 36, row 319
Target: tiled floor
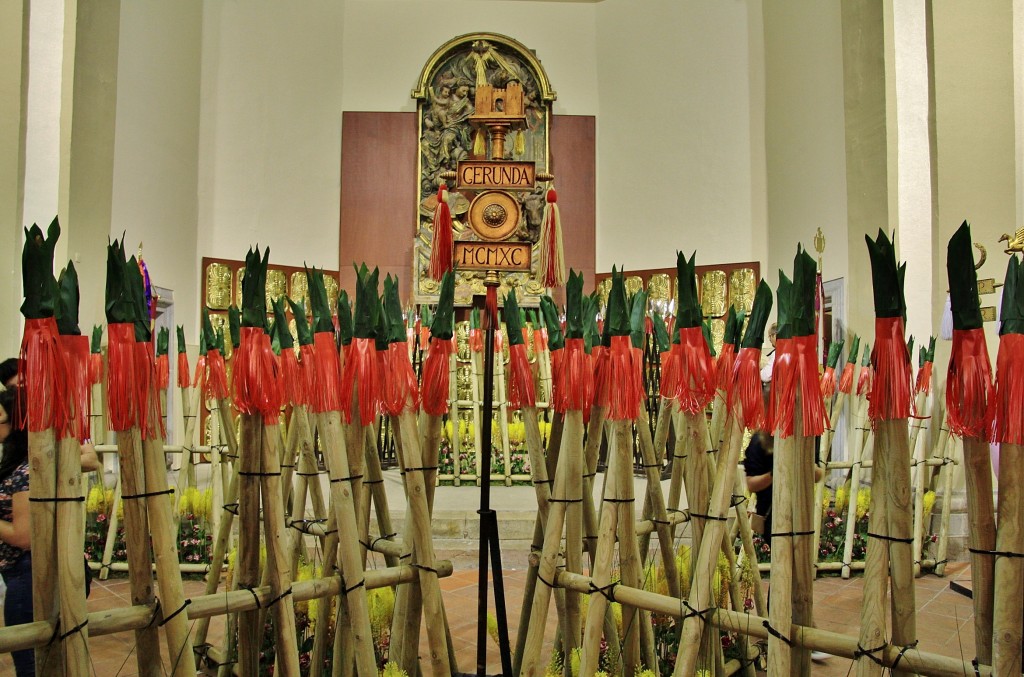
column 944, row 618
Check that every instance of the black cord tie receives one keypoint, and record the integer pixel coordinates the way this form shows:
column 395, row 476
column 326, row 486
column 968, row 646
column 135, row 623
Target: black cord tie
column 650, row 465
column 716, row 518
column 382, row 537
column 693, row 612
column 56, row 633
column 232, row 508
column 775, row 633
column 870, row 653
column 147, row 495
column 674, row 455
column 666, row 523
column 365, row 482
column 607, row 591
column 350, row 478
column 167, row 619
column 974, row 664
column 590, row 475
column 786, row 534
column 424, row 567
column 737, row 500
column 565, row 500
column 287, row 465
column 904, row 650
column 890, row 538
column 314, row 474
column 279, row 597
column 545, row 582
column 252, row 592
column 421, row 469
column 57, row 499
column 997, row 553
column 358, row 585
column 156, row 613
column 258, row 474
column 619, row 500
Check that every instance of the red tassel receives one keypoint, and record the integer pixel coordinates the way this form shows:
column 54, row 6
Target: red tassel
column 476, row 340
column 441, row 248
column 578, row 378
column 147, row 403
column 399, row 381
column 163, row 372
column 521, row 392
column 865, row 381
column 745, row 389
column 669, row 374
column 552, row 257
column 96, row 368
column 540, row 340
column 828, row 383
column 76, row 352
column 307, row 371
column 199, row 377
column 890, row 392
column 796, row 369
column 624, row 394
column 325, row 377
column 256, row 380
column 846, row 380
column 293, row 386
column 637, row 355
column 44, row 373
column 361, row 375
column 499, row 341
column 436, row 377
column 724, row 367
column 217, row 376
column 121, row 408
column 557, row 381
column 970, row 394
column 602, row 376
column 924, row 378
column 183, row 370
column 1009, row 411
column 696, row 385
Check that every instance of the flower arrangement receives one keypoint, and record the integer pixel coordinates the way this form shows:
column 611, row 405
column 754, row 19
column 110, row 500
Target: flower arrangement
column 195, row 537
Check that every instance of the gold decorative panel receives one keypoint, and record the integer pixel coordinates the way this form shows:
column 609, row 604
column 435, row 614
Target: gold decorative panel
column 239, row 275
column 634, row 283
column 713, row 297
column 742, row 287
column 604, row 289
column 331, row 286
column 219, row 322
column 218, row 286
column 659, row 287
column 277, row 286
column 717, row 334
column 300, row 290
column 462, row 340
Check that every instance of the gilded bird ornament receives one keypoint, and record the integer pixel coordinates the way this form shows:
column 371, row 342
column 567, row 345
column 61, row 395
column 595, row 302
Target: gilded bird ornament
column 1014, row 244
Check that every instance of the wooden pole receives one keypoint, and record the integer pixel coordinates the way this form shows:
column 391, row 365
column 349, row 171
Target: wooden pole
column 855, row 479
column 247, row 562
column 893, row 455
column 981, row 537
column 946, row 477
column 780, row 614
column 872, row 638
column 42, row 489
column 70, row 543
column 804, row 517
column 1007, row 638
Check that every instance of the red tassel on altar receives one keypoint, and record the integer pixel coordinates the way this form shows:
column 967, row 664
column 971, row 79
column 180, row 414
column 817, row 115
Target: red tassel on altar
column 970, row 394
column 96, row 368
column 552, row 255
column 44, row 373
column 1009, row 409
column 441, row 249
column 121, row 409
column 623, row 392
column 890, row 392
column 577, row 392
column 924, row 378
column 846, row 380
column 745, row 389
column 520, row 379
column 399, row 380
column 217, row 376
column 147, row 403
column 324, row 377
column 796, row 371
column 183, row 370
column 436, row 377
column 828, row 383
column 696, row 384
column 163, row 372
column 361, row 367
column 293, row 386
column 76, row 352
column 256, row 379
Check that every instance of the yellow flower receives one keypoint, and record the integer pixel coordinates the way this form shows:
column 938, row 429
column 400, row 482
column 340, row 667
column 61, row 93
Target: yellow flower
column 381, row 602
column 723, row 577
column 392, row 670
column 492, row 627
column 929, row 503
column 826, row 501
column 96, row 503
column 863, row 502
column 517, row 432
column 842, row 499
column 305, row 573
column 683, row 569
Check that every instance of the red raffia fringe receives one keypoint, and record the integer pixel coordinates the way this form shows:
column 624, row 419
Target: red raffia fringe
column 257, row 380
column 970, row 394
column 121, row 408
column 325, row 377
column 577, row 392
column 76, row 351
column 307, row 369
column 828, row 383
column 96, row 368
column 293, row 386
column 499, row 341
column 490, row 318
column 846, row 380
column 217, row 376
column 865, row 380
column 669, row 375
column 890, row 392
column 441, row 250
column 476, row 340
column 183, row 370
column 1009, row 414
column 924, row 378
column 436, row 377
column 637, row 355
column 602, row 376
column 44, row 372
column 361, row 376
column 557, row 378
column 147, row 403
column 163, row 372
column 745, row 389
column 623, row 391
column 723, row 369
column 540, row 340
column 696, row 385
column 521, row 392
column 199, row 377
column 796, row 372
column 399, row 382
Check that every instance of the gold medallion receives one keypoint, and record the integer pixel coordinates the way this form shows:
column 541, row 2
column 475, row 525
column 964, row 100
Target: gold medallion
column 494, row 215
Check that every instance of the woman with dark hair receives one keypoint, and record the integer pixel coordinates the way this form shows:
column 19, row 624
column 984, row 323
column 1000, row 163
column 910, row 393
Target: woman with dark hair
column 15, row 530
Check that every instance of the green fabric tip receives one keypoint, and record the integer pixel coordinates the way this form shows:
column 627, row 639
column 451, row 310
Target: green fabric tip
column 163, row 341
column 753, row 337
column 208, row 335
column 442, row 326
column 380, row 332
column 733, row 324
column 616, row 321
column 474, row 318
column 556, row 339
column 865, row 359
column 118, row 306
column 963, row 280
column 235, row 325
column 705, row 328
column 784, row 295
column 638, row 319
column 886, row 277
column 281, row 334
column 67, row 301
column 367, row 307
column 318, row 301
column 275, row 331
column 180, row 334
column 513, row 319
column 37, row 279
column 854, row 350
column 302, row 328
column 801, row 308
column 535, row 318
column 835, row 349
column 592, row 327
column 254, row 290
column 689, row 312
column 97, row 339
column 393, row 311
column 1011, row 315
column 931, row 349
column 910, row 345
column 661, row 332
column 137, row 288
column 574, row 306
column 345, row 328
column 426, row 316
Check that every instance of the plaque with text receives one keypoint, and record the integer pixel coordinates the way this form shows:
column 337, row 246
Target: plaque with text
column 496, row 175
column 501, row 256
